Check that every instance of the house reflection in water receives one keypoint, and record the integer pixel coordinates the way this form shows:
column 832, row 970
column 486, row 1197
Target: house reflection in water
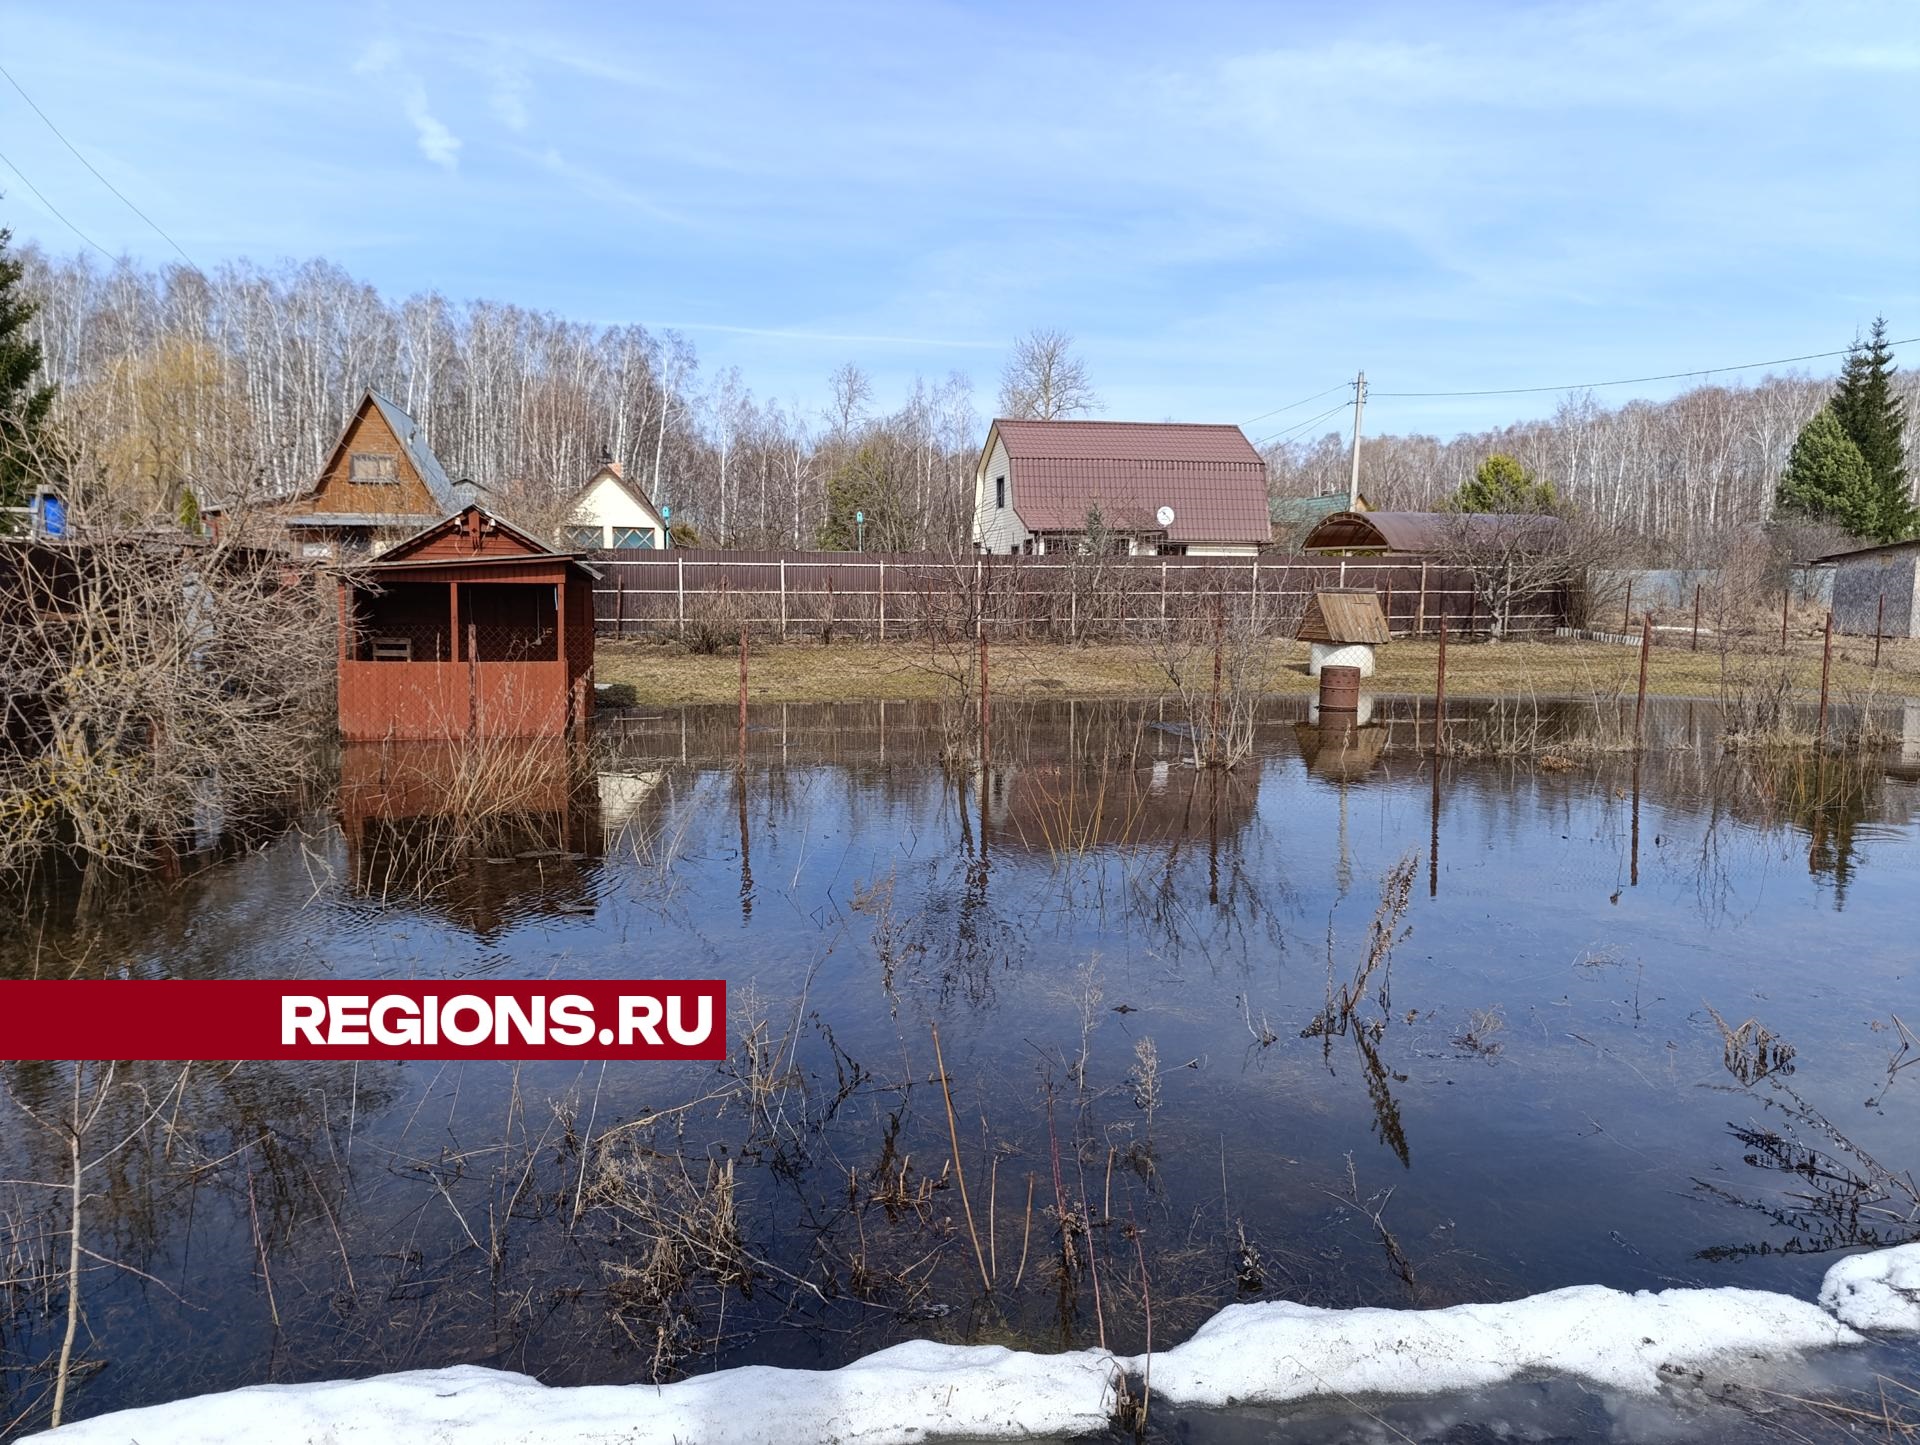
column 481, row 833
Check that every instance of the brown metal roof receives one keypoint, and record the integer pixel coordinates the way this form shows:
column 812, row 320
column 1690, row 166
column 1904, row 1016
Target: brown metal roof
column 1425, row 532
column 1344, row 616
column 1210, row 475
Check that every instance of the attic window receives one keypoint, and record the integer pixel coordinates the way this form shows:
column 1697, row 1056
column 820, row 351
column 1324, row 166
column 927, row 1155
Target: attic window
column 373, row 469
column 628, row 538
column 1000, row 492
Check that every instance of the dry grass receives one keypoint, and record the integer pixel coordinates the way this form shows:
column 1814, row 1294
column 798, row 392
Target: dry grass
column 665, row 675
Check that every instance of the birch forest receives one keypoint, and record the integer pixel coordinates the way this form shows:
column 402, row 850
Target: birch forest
column 233, row 385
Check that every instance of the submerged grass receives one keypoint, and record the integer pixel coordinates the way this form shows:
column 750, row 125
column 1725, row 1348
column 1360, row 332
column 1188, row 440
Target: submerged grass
column 666, row 674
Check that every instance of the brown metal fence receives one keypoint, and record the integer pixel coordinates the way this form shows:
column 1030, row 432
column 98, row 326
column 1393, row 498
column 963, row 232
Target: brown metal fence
column 897, row 595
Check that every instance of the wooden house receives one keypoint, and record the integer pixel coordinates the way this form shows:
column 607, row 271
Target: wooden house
column 381, row 483
column 472, row 628
column 1157, row 488
column 612, row 514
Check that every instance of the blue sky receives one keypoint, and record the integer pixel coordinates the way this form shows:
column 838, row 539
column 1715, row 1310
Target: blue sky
column 1231, row 206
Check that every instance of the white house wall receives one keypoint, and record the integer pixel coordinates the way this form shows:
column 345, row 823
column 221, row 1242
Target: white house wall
column 996, row 529
column 608, row 506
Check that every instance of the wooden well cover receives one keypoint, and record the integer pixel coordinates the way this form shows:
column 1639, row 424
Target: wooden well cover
column 1344, row 617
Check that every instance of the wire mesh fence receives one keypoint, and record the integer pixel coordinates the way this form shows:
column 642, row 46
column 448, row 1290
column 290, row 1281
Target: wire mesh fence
column 1069, row 598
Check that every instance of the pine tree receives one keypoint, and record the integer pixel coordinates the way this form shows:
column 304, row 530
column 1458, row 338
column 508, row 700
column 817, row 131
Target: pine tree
column 1870, row 413
column 24, row 407
column 1827, row 480
column 1502, row 484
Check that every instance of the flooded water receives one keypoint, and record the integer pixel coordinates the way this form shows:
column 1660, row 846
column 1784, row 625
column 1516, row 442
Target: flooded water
column 1340, row 1027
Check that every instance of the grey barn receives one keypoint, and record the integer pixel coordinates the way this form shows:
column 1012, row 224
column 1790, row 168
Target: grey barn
column 1863, row 578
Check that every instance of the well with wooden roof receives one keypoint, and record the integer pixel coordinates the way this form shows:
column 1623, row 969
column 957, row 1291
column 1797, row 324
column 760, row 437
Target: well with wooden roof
column 1343, row 626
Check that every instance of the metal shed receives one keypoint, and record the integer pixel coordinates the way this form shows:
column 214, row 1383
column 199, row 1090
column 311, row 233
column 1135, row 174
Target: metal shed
column 1429, row 533
column 472, row 628
column 1875, row 587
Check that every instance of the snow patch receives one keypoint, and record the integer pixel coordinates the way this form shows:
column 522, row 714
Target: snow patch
column 1877, row 1291
column 1276, row 1352
column 1268, row 1353
column 906, row 1394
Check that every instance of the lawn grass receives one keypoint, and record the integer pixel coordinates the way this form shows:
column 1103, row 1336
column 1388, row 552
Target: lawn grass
column 664, row 674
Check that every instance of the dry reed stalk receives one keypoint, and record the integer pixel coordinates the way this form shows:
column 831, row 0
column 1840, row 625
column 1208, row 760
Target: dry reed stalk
column 959, row 1170
column 260, row 1248
column 1026, row 1232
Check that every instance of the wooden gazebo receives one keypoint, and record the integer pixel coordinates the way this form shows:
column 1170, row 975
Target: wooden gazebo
column 471, row 628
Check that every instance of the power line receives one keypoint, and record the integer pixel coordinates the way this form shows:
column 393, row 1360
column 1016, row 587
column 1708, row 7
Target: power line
column 1636, row 380
column 90, row 166
column 1292, row 404
column 55, row 209
column 1302, row 426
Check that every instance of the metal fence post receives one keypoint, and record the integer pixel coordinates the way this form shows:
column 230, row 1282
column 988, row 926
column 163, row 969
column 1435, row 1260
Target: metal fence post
column 1253, row 606
column 883, row 599
column 1420, row 615
column 783, row 599
column 680, row 592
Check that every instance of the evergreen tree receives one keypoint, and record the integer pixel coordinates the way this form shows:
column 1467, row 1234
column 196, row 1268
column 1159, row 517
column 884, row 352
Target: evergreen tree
column 863, row 501
column 1502, row 484
column 1827, row 480
column 1870, row 413
column 24, row 407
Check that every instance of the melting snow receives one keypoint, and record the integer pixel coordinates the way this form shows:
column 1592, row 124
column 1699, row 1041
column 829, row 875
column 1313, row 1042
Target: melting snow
column 1267, row 1353
column 1878, row 1291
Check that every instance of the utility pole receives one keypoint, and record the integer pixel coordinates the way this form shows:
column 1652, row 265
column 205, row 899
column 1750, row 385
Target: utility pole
column 1353, row 476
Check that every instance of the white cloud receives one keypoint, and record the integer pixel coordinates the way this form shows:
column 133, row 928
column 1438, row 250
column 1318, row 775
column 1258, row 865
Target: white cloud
column 437, row 143
column 507, row 93
column 382, row 60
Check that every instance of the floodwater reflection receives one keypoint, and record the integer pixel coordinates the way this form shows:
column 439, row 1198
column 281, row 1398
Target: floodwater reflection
column 1206, row 1023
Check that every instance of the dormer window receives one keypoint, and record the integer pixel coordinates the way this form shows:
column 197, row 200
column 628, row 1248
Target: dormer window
column 372, row 469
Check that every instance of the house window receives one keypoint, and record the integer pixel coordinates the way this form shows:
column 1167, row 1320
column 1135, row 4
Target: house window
column 373, row 469
column 581, row 539
column 1173, row 549
column 1000, row 492
column 635, row 537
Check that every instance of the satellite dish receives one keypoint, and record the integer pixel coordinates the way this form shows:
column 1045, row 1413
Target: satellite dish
column 1164, row 516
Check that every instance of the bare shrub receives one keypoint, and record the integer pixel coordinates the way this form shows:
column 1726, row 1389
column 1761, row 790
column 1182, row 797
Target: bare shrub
column 150, row 681
column 714, row 622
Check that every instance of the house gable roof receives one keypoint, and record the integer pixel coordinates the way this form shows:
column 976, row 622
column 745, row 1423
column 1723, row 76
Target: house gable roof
column 1299, row 513
column 497, row 540
column 612, row 474
column 1209, row 474
column 412, row 441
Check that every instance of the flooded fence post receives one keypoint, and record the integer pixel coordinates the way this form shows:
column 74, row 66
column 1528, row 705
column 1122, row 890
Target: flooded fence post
column 1879, row 626
column 1696, row 617
column 1640, row 702
column 1826, row 662
column 986, row 704
column 743, row 690
column 1440, row 690
column 1219, row 646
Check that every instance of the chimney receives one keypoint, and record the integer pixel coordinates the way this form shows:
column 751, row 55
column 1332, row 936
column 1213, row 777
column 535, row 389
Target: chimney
column 607, row 461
